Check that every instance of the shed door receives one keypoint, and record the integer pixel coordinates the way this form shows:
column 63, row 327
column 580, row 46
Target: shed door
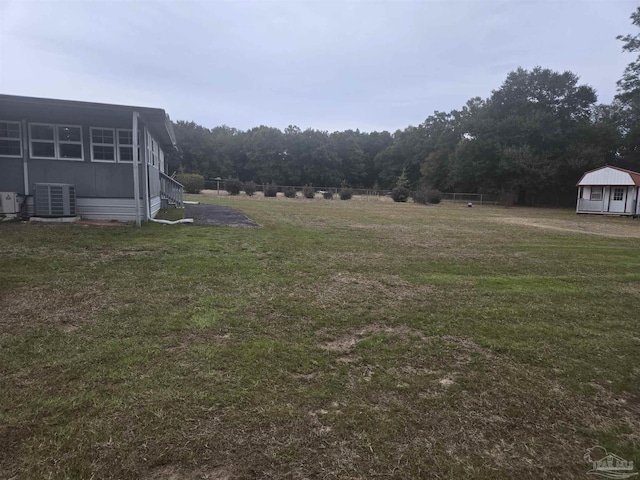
column 618, row 199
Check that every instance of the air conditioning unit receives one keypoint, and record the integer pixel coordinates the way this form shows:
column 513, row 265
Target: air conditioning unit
column 54, row 200
column 9, row 204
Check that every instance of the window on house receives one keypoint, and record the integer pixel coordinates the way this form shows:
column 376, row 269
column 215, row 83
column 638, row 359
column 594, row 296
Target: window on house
column 42, row 140
column 10, row 139
column 161, row 160
column 103, row 144
column 154, row 153
column 55, row 141
column 125, row 145
column 618, row 194
column 596, row 193
column 70, row 142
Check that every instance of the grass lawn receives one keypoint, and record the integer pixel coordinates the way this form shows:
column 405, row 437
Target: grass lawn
column 358, row 339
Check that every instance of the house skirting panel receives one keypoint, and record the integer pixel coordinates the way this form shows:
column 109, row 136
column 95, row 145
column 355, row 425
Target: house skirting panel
column 120, row 209
column 154, row 206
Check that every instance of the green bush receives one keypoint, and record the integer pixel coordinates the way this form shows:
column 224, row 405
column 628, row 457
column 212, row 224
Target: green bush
column 233, row 186
column 328, row 195
column 401, row 192
column 427, row 195
column 290, row 192
column 308, row 191
column 346, row 193
column 249, row 188
column 270, row 190
column 434, row 196
column 192, row 182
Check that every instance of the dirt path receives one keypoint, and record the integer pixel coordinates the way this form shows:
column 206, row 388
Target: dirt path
column 630, row 230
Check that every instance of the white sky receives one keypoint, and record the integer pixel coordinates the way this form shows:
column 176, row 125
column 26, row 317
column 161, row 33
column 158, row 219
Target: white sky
column 330, row 65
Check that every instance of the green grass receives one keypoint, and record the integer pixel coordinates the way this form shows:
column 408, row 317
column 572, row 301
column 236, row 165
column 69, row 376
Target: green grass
column 356, row 339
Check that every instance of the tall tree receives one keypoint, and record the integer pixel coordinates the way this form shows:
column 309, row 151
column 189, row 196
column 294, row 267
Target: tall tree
column 629, row 94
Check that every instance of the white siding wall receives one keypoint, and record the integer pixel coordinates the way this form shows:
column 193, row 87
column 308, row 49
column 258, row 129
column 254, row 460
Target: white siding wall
column 631, row 200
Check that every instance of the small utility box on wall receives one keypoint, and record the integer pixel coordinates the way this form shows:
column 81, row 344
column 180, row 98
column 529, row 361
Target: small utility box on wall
column 9, row 204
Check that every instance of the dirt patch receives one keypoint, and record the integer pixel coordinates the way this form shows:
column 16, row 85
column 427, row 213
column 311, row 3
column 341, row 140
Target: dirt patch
column 348, row 342
column 603, row 228
column 101, row 223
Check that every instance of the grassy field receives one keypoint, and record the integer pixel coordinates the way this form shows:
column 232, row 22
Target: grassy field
column 359, row 339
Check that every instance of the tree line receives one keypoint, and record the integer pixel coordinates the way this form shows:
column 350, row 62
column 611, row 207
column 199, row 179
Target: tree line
column 532, row 139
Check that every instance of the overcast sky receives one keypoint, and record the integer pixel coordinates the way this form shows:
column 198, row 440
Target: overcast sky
column 331, row 65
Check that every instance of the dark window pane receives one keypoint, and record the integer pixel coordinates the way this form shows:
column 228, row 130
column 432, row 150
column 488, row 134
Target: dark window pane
column 69, row 134
column 42, row 149
column 9, row 130
column 125, row 137
column 70, row 150
column 126, row 154
column 103, row 153
column 10, row 147
column 42, row 132
column 102, row 136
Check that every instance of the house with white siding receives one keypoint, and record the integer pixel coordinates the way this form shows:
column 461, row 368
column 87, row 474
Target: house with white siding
column 609, row 191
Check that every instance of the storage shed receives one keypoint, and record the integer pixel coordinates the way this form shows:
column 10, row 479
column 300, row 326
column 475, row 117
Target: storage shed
column 609, row 191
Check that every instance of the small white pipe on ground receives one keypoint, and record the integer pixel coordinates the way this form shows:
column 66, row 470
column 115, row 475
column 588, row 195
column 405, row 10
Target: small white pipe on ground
column 169, row 222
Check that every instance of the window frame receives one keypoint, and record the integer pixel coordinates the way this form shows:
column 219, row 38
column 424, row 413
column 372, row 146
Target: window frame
column 12, row 139
column 601, row 194
column 154, row 152
column 52, row 141
column 112, row 145
column 69, row 142
column 55, row 141
column 129, row 145
column 617, row 190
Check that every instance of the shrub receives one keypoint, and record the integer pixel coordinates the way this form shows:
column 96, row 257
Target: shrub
column 401, row 192
column 434, row 196
column 426, row 195
column 327, row 195
column 270, row 190
column 290, row 192
column 249, row 188
column 192, row 182
column 346, row 193
column 233, row 186
column 308, row 191
column 420, row 196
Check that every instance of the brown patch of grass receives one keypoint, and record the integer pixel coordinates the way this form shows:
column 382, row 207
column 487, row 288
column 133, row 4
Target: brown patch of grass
column 346, row 343
column 172, row 472
column 585, row 225
column 28, row 308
